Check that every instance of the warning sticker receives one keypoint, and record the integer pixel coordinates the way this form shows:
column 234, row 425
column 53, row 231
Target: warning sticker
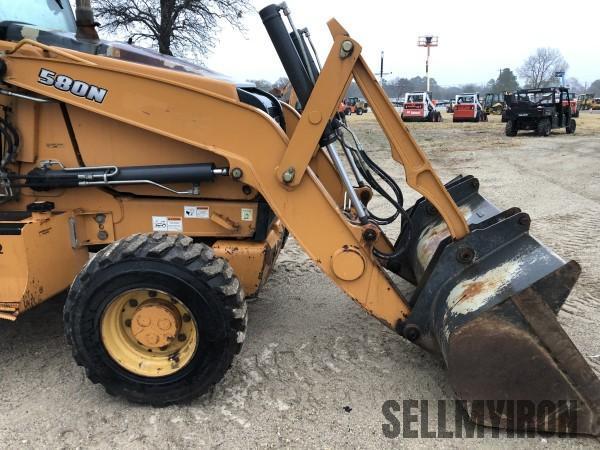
column 196, row 212
column 247, row 214
column 162, row 223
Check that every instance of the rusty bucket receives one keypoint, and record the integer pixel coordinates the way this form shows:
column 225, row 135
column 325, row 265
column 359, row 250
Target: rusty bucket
column 488, row 304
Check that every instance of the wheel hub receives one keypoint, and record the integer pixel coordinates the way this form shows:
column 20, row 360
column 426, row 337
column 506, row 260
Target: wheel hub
column 149, row 333
column 155, row 325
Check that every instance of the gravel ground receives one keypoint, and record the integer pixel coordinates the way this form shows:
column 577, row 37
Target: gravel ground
column 316, row 369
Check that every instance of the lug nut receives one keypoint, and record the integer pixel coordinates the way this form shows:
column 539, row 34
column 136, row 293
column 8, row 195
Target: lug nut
column 186, row 318
column 128, row 323
column 181, row 337
column 152, row 294
column 133, row 303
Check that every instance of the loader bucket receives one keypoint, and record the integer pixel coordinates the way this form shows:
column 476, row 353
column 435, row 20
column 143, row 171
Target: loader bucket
column 487, row 304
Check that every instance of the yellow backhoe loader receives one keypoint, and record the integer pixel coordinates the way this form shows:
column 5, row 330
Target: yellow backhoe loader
column 183, row 185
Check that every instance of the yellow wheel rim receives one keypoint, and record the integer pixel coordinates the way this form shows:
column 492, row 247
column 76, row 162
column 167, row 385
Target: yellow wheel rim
column 149, row 332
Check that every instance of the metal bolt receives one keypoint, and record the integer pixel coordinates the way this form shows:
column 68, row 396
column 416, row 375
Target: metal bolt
column 346, row 49
column 525, row 220
column 100, row 218
column 369, row 235
column 128, row 323
column 289, row 175
column 102, row 235
column 412, row 332
column 246, row 189
column 465, row 255
column 133, row 303
column 186, row 318
column 181, row 337
column 237, row 173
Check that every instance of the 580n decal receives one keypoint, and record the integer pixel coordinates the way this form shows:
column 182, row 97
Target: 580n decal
column 75, row 87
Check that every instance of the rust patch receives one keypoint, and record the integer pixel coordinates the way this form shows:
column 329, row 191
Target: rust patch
column 471, row 295
column 472, row 290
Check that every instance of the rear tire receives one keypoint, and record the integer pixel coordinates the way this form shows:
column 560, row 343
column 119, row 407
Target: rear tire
column 171, row 272
column 572, row 126
column 511, row 128
column 359, row 112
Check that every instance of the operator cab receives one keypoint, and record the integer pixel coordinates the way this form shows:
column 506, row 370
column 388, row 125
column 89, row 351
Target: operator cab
column 52, row 22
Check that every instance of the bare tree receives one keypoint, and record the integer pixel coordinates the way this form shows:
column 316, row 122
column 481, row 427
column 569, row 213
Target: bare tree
column 538, row 70
column 174, row 26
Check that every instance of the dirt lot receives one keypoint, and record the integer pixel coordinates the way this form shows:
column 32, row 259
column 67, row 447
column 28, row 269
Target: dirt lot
column 316, row 369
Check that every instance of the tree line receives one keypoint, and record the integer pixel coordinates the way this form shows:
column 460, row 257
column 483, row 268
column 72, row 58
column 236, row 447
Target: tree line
column 189, row 28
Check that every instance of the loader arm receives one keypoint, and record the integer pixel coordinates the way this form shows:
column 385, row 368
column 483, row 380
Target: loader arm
column 333, row 242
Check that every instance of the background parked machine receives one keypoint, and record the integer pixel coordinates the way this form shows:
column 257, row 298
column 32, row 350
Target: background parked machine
column 573, row 103
column 355, row 105
column 540, row 110
column 595, row 104
column 187, row 206
column 585, row 101
column 493, row 103
column 419, row 107
column 467, row 108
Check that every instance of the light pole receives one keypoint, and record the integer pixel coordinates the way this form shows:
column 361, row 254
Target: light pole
column 427, row 41
column 381, row 73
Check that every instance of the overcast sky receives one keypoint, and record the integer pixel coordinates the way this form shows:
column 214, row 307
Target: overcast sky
column 476, row 37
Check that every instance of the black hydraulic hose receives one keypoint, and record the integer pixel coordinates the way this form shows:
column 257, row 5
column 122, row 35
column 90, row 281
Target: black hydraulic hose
column 406, row 232
column 10, row 142
column 362, row 158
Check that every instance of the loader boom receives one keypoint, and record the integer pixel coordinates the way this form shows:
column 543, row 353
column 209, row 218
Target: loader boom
column 159, row 303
